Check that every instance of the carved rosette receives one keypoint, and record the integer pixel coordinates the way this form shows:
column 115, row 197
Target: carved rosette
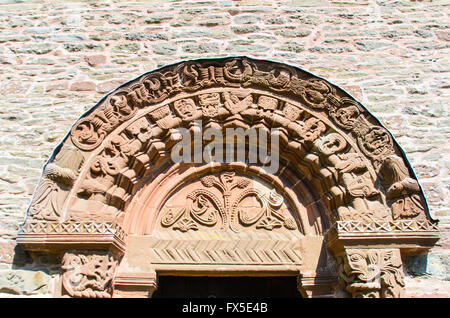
column 372, row 273
column 88, row 274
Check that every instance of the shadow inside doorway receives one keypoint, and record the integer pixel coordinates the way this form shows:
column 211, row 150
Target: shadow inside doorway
column 226, row 287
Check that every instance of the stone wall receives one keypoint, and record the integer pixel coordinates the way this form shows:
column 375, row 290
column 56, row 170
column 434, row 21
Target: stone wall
column 58, row 58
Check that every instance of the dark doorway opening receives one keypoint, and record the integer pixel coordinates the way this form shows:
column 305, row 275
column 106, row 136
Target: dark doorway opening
column 226, row 287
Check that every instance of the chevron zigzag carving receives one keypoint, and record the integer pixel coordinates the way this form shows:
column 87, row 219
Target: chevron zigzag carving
column 225, row 247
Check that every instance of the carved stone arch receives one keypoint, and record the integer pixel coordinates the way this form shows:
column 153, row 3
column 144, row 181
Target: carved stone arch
column 339, row 211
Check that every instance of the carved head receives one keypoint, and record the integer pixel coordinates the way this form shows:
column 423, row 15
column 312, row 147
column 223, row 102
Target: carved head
column 185, row 108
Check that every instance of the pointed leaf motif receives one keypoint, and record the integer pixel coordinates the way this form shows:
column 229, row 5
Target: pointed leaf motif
column 185, row 225
column 269, row 223
column 171, row 215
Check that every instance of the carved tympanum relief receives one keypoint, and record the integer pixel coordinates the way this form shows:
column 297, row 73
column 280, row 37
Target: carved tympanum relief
column 88, row 274
column 227, row 201
column 372, row 273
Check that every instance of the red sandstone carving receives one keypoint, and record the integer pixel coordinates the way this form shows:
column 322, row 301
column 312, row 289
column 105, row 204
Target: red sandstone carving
column 114, row 177
column 372, row 273
column 401, row 190
column 204, row 207
column 88, row 275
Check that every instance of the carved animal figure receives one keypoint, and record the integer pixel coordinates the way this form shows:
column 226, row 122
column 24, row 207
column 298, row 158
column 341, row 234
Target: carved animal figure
column 402, row 191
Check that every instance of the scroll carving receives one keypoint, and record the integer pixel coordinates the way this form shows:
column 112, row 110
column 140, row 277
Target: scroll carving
column 238, row 203
column 57, row 180
column 372, row 273
column 89, row 132
column 375, row 142
column 402, row 191
column 186, row 109
column 88, row 274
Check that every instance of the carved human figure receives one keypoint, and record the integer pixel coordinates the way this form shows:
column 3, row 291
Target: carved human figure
column 104, row 169
column 140, row 132
column 210, row 104
column 267, row 102
column 121, row 107
column 237, row 101
column 354, row 176
column 402, row 191
column 311, row 130
column 164, row 118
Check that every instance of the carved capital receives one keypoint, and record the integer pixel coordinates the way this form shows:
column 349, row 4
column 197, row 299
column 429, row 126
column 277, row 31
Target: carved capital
column 372, row 273
column 88, row 274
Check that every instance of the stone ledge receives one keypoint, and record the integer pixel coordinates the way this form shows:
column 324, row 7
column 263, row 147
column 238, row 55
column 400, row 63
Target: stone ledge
column 54, row 236
column 411, row 236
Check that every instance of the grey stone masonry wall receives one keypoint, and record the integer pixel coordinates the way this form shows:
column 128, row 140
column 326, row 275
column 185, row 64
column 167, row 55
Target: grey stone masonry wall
column 58, row 58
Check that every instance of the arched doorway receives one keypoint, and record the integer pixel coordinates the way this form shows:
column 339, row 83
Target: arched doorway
column 134, row 192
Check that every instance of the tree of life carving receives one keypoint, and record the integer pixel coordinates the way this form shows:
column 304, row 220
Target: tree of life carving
column 240, row 203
